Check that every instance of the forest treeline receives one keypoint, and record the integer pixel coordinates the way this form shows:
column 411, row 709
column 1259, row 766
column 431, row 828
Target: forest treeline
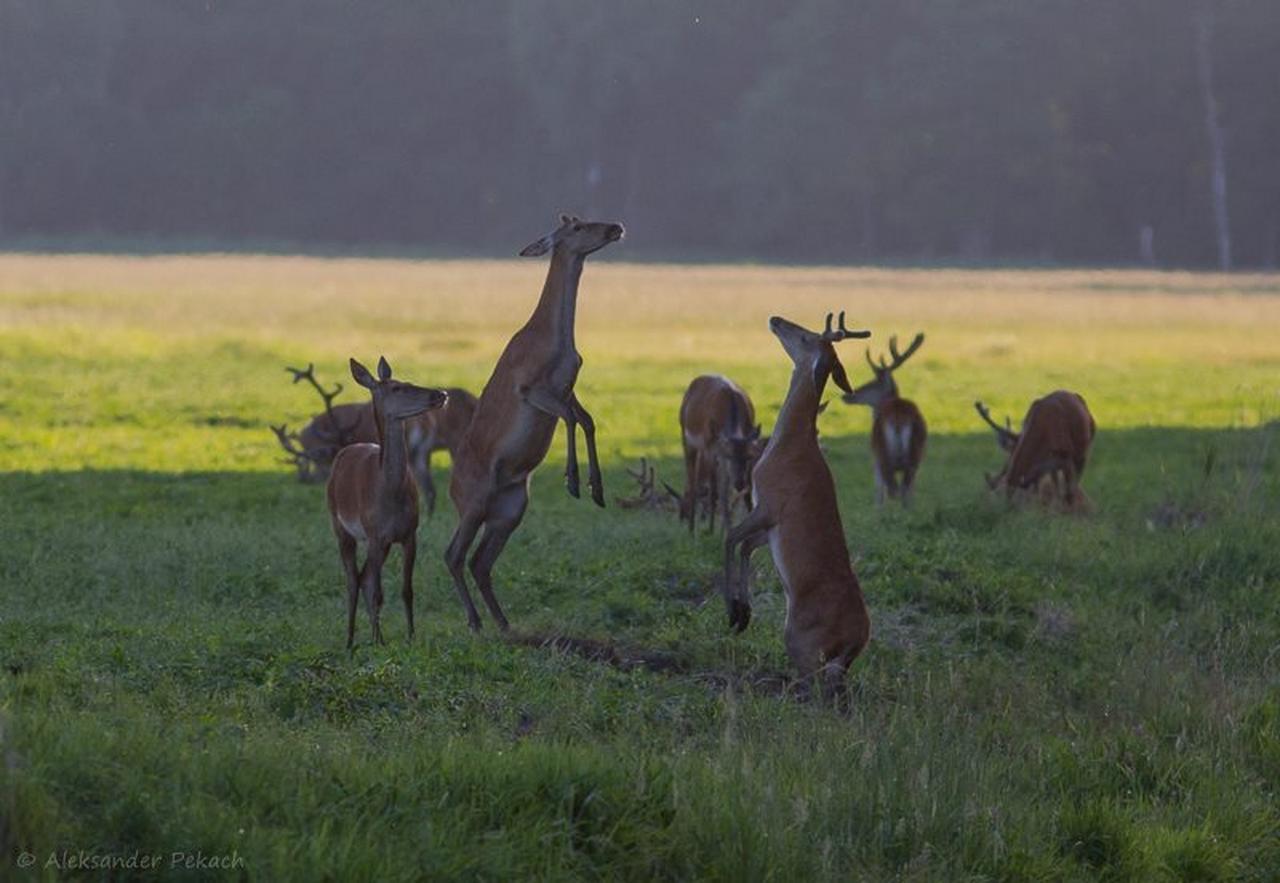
column 1069, row 131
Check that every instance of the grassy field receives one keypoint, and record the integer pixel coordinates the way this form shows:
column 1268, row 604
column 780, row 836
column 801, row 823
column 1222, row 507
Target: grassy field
column 1044, row 698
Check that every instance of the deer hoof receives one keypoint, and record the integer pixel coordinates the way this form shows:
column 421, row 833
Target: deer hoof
column 597, row 495
column 571, row 485
column 739, row 615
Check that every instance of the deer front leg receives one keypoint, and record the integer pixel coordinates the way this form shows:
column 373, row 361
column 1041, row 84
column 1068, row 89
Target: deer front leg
column 347, row 552
column 548, row 403
column 749, row 534
column 594, row 479
column 373, row 586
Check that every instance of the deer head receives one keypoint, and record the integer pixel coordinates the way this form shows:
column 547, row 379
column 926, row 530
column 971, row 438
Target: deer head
column 575, row 236
column 816, row 351
column 739, row 451
column 394, row 399
column 883, row 387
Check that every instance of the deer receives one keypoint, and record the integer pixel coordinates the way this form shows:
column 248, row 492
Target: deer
column 797, row 514
column 372, row 497
column 312, row 450
column 439, row 429
column 529, row 392
column 721, row 444
column 898, row 430
column 1054, row 443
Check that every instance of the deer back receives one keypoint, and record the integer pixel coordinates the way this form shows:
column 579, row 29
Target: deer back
column 711, row 405
column 354, row 420
column 1057, row 429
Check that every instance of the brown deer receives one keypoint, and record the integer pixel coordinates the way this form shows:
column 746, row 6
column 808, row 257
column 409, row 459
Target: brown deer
column 721, row 445
column 796, row 513
column 531, row 388
column 372, row 497
column 441, row 429
column 1053, row 444
column 898, row 430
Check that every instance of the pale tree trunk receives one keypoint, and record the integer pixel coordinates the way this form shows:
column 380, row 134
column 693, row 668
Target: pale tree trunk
column 1217, row 151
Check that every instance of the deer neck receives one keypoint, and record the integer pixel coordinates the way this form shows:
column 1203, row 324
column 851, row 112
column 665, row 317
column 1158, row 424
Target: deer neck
column 393, row 458
column 557, row 308
column 799, row 415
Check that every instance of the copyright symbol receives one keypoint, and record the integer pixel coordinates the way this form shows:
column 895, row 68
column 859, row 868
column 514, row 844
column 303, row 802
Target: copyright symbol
column 26, row 860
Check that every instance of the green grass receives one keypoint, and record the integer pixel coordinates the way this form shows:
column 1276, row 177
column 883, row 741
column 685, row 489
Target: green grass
column 1044, row 698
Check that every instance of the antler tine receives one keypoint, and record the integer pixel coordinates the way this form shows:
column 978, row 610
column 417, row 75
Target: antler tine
column 899, row 358
column 870, row 361
column 985, row 414
column 841, row 332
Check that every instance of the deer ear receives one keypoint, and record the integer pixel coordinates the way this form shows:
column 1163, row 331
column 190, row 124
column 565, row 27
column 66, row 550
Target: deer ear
column 838, row 375
column 362, row 376
column 384, row 369
column 537, row 248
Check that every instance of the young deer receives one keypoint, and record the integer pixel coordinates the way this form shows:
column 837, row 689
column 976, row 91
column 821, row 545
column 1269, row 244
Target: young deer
column 441, row 429
column 372, row 497
column 721, row 445
column 898, row 430
column 530, row 390
column 796, row 513
column 1054, row 443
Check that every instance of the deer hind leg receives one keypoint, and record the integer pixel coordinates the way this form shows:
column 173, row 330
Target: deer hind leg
column 882, row 485
column 372, row 580
column 594, row 478
column 908, row 485
column 422, row 472
column 693, row 484
column 715, row 495
column 347, row 552
column 505, row 514
column 410, row 547
column 455, row 557
column 748, row 534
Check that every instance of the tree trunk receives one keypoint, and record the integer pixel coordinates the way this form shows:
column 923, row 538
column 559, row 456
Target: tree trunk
column 1217, row 152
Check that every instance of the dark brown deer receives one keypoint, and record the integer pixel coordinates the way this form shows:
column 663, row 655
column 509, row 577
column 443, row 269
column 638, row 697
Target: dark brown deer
column 721, row 445
column 797, row 514
column 1053, row 445
column 372, row 497
column 898, row 430
column 530, row 390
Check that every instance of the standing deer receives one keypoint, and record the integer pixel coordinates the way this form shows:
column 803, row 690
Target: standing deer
column 898, row 430
column 441, row 429
column 372, row 497
column 1054, row 443
column 796, row 513
column 721, row 445
column 531, row 388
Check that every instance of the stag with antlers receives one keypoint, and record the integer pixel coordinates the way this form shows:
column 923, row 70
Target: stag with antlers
column 312, row 450
column 898, row 430
column 372, row 497
column 1053, row 444
column 797, row 514
column 531, row 389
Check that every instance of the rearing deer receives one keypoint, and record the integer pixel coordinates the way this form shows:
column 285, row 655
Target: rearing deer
column 530, row 390
column 372, row 497
column 1054, row 443
column 898, row 430
column 797, row 514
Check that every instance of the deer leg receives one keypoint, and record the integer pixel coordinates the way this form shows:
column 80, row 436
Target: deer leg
column 410, row 547
column 422, row 472
column 880, row 485
column 908, row 485
column 753, row 528
column 347, row 552
column 504, row 516
column 715, row 496
column 548, row 403
column 373, row 586
column 693, row 484
column 594, row 479
column 455, row 557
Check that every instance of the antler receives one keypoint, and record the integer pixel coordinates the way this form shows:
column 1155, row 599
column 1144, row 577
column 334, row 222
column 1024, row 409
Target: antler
column 841, row 333
column 1004, row 433
column 309, row 375
column 898, row 358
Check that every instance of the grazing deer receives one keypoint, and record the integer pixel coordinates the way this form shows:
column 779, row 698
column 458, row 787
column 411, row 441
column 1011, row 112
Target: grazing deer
column 530, row 390
column 721, row 444
column 797, row 515
column 372, row 497
column 898, row 430
column 441, row 429
column 313, row 450
column 1054, row 444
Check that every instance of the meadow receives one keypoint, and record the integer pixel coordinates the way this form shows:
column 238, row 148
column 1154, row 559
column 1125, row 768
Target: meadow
column 1044, row 697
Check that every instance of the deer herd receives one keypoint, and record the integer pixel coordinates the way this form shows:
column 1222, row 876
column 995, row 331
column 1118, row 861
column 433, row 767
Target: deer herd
column 375, row 458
